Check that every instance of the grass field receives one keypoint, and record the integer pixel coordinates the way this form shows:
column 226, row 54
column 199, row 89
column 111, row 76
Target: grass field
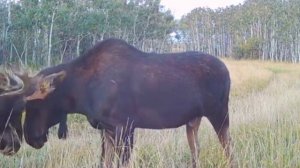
column 264, row 118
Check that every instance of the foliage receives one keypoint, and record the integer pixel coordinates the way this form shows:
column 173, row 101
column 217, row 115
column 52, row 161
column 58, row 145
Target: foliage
column 263, row 29
column 38, row 31
column 44, row 32
column 249, row 49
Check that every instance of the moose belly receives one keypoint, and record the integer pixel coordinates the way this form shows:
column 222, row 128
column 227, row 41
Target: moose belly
column 165, row 117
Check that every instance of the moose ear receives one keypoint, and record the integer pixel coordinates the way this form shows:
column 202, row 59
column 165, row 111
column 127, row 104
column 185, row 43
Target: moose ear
column 53, row 79
column 45, row 85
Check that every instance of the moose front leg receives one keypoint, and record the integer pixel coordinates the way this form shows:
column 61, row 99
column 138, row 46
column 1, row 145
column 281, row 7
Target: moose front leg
column 128, row 146
column 63, row 128
column 124, row 144
column 117, row 142
column 108, row 152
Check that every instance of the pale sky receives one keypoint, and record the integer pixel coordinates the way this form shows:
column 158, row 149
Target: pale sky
column 182, row 7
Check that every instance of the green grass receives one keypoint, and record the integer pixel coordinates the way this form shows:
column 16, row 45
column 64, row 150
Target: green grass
column 264, row 118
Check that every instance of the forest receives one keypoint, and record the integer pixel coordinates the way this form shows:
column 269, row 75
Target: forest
column 259, row 42
column 42, row 33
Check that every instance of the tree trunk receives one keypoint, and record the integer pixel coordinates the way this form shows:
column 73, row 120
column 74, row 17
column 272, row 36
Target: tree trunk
column 78, row 46
column 50, row 40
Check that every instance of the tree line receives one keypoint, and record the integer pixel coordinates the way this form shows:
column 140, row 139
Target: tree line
column 258, row 29
column 44, row 33
column 41, row 32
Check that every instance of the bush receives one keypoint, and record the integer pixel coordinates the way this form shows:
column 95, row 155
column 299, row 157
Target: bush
column 247, row 50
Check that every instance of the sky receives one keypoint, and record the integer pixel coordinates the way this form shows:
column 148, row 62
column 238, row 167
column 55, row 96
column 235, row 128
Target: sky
column 182, row 7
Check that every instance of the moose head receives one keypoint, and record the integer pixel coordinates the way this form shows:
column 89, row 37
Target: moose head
column 17, row 87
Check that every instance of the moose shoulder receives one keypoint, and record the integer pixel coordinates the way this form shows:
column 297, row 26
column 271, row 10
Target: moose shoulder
column 119, row 88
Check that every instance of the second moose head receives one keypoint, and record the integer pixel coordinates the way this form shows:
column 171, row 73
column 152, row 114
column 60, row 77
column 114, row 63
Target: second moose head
column 16, row 88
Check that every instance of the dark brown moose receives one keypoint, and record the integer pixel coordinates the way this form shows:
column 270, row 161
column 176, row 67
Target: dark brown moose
column 15, row 90
column 119, row 88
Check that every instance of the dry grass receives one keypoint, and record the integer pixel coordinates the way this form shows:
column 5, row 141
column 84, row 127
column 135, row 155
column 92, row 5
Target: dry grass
column 264, row 113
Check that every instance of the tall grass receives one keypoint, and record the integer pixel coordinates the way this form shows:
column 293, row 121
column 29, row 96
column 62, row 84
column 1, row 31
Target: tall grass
column 264, row 118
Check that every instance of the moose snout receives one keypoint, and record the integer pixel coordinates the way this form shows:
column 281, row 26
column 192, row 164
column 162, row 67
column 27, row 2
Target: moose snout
column 33, row 138
column 9, row 143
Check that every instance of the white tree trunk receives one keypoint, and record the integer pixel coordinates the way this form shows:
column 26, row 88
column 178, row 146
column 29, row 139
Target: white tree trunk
column 78, row 46
column 50, row 40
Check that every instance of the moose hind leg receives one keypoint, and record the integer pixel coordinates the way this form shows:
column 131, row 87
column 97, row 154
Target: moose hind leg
column 221, row 127
column 192, row 128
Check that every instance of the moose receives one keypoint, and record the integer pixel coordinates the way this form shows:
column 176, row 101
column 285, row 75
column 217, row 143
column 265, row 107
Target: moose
column 120, row 88
column 15, row 90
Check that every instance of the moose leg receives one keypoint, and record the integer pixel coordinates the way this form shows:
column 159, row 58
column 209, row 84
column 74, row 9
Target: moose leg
column 63, row 128
column 103, row 148
column 192, row 135
column 221, row 127
column 124, row 143
column 128, row 146
column 107, row 154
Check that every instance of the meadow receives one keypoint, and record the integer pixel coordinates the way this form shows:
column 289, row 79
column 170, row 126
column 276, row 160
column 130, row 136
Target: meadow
column 264, row 124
